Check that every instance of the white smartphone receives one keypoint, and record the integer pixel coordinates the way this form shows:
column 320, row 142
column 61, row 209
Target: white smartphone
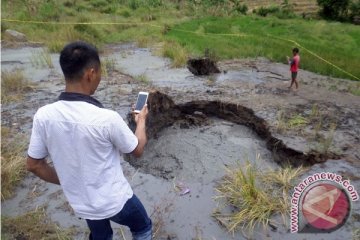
column 141, row 101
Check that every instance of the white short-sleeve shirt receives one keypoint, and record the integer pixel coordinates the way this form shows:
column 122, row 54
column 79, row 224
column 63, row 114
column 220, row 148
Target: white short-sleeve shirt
column 85, row 143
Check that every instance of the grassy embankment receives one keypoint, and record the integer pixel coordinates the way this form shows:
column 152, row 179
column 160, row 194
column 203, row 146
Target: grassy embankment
column 159, row 21
column 335, row 42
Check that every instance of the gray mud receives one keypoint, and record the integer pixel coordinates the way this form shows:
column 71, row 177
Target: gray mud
column 196, row 155
column 200, row 154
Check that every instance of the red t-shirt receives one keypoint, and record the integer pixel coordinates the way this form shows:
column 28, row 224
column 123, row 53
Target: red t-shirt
column 294, row 65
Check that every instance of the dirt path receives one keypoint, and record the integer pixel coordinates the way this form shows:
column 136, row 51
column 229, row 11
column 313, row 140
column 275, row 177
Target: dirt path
column 194, row 148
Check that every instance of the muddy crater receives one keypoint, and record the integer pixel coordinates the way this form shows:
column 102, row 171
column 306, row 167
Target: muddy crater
column 206, row 123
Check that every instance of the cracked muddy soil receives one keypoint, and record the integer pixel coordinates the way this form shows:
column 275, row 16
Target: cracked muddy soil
column 196, row 127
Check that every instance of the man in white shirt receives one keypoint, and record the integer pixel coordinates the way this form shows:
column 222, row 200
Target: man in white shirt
column 85, row 143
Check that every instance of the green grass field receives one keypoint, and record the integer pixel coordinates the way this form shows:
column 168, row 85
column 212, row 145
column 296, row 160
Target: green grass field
column 258, row 36
column 189, row 23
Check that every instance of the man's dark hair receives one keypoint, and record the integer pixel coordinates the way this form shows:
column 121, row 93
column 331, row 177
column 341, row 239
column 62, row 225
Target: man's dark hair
column 76, row 57
column 296, row 50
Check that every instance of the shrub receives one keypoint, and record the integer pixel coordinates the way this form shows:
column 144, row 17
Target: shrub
column 109, row 9
column 134, row 4
column 81, row 8
column 69, row 4
column 125, row 13
column 354, row 10
column 98, row 3
column 284, row 11
column 88, row 32
column 154, row 3
column 334, row 9
column 49, row 11
column 285, row 14
column 241, row 8
column 264, row 11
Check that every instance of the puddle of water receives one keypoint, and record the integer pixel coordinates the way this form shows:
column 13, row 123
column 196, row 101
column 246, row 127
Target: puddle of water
column 233, row 77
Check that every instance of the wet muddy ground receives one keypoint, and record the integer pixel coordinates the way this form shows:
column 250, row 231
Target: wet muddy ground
column 200, row 126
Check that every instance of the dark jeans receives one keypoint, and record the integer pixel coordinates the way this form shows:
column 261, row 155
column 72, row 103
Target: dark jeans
column 132, row 215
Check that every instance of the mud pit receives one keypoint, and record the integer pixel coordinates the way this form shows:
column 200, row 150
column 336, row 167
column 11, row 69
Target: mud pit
column 197, row 126
column 210, row 131
column 195, row 145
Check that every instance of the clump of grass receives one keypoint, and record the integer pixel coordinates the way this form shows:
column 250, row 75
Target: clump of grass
column 355, row 90
column 297, row 121
column 13, row 85
column 143, row 41
column 315, row 112
column 161, row 212
column 125, row 13
column 148, row 18
column 176, row 52
column 41, row 58
column 324, row 144
column 316, row 118
column 283, row 178
column 34, row 225
column 166, row 29
column 280, row 182
column 281, row 125
column 55, row 46
column 333, row 88
column 356, row 234
column 107, row 66
column 250, row 192
column 110, row 64
column 12, row 161
column 142, row 78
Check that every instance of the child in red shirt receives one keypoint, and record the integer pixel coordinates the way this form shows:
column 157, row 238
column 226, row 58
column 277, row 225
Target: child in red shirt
column 294, row 67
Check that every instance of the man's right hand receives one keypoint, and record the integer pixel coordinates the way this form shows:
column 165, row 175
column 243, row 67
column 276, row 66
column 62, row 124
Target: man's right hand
column 140, row 132
column 142, row 115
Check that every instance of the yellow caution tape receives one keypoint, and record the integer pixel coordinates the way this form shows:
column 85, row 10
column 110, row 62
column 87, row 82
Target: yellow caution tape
column 79, row 23
column 181, row 30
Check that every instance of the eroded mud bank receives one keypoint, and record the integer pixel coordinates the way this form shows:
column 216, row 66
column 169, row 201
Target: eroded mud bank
column 164, row 113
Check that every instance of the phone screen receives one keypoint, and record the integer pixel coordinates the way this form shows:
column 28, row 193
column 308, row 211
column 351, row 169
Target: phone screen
column 140, row 102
